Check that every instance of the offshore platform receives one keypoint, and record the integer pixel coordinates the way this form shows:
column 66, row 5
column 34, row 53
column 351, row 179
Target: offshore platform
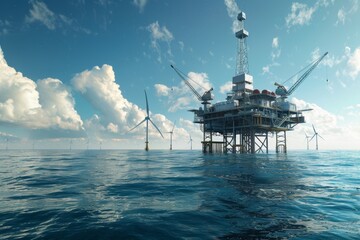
column 243, row 123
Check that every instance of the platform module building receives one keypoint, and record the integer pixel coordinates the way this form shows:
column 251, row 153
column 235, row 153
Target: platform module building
column 244, row 122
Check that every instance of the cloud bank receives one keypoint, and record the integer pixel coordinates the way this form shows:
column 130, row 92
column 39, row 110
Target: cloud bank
column 46, row 108
column 46, row 103
column 115, row 114
column 331, row 127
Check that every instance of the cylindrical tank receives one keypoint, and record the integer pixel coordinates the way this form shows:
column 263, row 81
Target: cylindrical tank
column 265, row 92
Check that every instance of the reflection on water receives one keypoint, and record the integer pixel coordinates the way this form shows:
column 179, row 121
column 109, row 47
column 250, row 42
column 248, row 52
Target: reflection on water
column 178, row 194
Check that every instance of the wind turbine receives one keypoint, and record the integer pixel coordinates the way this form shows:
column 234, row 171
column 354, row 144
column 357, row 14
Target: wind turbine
column 307, row 141
column 316, row 134
column 147, row 119
column 190, row 141
column 171, row 133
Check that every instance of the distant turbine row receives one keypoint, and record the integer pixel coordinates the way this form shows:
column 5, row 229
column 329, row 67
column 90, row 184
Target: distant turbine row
column 147, row 119
column 316, row 134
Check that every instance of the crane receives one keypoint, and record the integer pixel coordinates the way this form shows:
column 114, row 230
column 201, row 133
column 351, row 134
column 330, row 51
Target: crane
column 283, row 92
column 207, row 95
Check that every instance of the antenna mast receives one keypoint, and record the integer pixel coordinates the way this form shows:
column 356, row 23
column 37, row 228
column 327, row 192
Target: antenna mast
column 242, row 64
column 242, row 81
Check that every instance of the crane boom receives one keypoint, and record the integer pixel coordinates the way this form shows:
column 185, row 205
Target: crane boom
column 193, row 90
column 205, row 98
column 281, row 90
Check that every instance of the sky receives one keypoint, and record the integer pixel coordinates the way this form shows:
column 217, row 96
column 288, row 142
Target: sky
column 73, row 73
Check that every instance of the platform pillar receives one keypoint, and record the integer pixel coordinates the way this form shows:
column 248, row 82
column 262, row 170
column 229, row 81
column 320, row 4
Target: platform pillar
column 281, row 142
column 252, row 143
column 262, row 142
column 234, row 138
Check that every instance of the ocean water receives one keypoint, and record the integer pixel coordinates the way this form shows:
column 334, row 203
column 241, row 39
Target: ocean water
column 179, row 195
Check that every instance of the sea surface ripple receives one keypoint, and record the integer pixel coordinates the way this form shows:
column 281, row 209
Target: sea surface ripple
column 89, row 194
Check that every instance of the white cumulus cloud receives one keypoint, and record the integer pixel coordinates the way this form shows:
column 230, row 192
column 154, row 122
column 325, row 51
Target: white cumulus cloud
column 45, row 104
column 180, row 96
column 115, row 114
column 324, row 120
column 354, row 63
column 162, row 90
column 337, row 133
column 227, row 87
column 58, row 104
column 100, row 89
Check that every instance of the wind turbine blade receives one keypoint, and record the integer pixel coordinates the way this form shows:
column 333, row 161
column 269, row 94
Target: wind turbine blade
column 312, row 137
column 147, row 104
column 306, row 136
column 173, row 127
column 156, row 128
column 137, row 125
column 321, row 137
column 314, row 129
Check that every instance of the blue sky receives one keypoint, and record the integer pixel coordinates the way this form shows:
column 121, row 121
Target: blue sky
column 76, row 71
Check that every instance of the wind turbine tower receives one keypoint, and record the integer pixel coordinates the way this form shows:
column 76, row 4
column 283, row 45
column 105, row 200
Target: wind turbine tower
column 147, row 119
column 171, row 134
column 190, row 141
column 316, row 134
column 307, row 141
